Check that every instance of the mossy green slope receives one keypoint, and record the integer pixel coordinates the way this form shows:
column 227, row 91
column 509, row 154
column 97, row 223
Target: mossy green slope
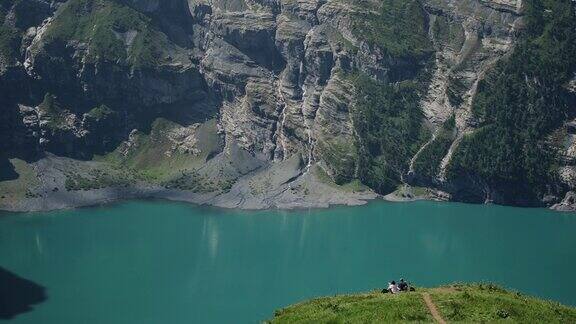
column 396, row 26
column 457, row 303
column 101, row 24
column 9, row 36
column 388, row 121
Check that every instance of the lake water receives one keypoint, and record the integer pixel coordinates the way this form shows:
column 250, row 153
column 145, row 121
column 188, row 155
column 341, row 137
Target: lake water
column 160, row 262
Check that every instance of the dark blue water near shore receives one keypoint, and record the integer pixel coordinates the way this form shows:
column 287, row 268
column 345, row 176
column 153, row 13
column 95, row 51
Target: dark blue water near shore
column 161, row 262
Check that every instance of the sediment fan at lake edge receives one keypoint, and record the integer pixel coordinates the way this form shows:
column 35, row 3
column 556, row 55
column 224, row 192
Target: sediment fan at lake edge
column 461, row 303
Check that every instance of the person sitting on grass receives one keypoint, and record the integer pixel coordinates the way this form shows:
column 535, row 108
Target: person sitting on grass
column 403, row 285
column 393, row 287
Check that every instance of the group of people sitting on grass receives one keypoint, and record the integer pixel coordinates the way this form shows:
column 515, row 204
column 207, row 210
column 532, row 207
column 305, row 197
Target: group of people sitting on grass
column 395, row 288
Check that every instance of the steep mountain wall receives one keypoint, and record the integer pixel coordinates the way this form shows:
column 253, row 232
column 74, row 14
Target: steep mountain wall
column 250, row 103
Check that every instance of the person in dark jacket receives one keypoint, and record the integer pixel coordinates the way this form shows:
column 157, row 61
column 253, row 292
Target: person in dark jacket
column 403, row 285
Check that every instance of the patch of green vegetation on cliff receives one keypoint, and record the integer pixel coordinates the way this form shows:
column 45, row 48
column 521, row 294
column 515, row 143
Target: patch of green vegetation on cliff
column 338, row 37
column 446, row 31
column 99, row 113
column 107, row 27
column 194, row 181
column 456, row 91
column 158, row 159
column 520, row 102
column 24, row 13
column 9, row 37
column 147, row 153
column 428, row 162
column 341, row 156
column 9, row 44
column 470, row 303
column 353, row 186
column 406, row 192
column 51, row 108
column 99, row 179
column 388, row 122
column 396, row 26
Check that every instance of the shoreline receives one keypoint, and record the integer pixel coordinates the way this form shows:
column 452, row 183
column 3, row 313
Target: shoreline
column 70, row 200
column 281, row 186
column 284, row 186
column 98, row 197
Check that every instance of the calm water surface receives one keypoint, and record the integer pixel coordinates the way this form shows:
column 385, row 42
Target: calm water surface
column 160, row 262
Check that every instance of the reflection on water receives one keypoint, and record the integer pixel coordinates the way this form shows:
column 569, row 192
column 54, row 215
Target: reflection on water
column 155, row 262
column 211, row 236
column 18, row 295
column 38, row 243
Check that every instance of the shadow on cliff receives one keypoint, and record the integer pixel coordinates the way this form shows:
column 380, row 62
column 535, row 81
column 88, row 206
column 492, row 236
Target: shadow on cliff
column 18, row 295
column 7, row 171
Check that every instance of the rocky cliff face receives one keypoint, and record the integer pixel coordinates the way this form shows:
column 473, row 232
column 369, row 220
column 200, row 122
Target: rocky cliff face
column 277, row 80
column 469, row 38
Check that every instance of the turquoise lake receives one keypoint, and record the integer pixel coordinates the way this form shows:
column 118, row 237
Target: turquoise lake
column 161, row 262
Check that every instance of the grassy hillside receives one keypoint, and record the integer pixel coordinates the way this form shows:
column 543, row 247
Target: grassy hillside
column 458, row 303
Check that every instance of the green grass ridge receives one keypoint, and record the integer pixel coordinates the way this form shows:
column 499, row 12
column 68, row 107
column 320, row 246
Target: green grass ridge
column 468, row 303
